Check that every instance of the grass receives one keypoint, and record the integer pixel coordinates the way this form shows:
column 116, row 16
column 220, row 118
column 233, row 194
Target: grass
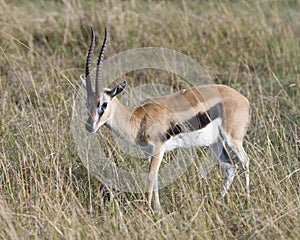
column 45, row 190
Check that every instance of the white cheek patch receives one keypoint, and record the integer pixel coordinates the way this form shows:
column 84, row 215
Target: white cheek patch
column 202, row 137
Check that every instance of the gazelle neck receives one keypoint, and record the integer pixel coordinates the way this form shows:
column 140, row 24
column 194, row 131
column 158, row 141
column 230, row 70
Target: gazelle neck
column 119, row 122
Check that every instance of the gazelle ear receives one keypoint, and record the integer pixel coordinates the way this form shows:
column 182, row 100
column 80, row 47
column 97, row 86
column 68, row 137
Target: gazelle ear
column 83, row 80
column 117, row 90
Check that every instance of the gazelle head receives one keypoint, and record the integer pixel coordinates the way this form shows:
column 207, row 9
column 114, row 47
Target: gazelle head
column 100, row 103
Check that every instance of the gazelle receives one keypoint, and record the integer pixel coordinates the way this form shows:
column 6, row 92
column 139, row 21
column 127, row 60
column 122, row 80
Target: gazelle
column 209, row 115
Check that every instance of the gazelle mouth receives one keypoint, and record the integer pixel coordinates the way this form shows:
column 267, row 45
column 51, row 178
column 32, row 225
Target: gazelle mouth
column 90, row 128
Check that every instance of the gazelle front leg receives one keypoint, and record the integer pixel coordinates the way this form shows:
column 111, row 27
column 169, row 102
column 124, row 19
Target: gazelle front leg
column 154, row 165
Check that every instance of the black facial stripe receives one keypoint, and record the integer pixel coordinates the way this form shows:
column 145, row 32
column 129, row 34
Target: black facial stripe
column 100, row 112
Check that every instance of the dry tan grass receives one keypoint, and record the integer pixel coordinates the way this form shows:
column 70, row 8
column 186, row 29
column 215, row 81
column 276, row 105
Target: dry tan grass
column 45, row 191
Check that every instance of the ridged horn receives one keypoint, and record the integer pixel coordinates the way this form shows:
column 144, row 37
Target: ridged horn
column 99, row 83
column 89, row 60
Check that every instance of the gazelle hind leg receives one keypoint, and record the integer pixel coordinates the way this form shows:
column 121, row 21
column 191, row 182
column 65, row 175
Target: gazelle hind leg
column 229, row 176
column 245, row 163
column 236, row 146
column 221, row 154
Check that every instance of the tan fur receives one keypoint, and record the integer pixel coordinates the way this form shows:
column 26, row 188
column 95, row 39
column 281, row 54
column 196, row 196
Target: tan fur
column 181, row 106
column 237, row 113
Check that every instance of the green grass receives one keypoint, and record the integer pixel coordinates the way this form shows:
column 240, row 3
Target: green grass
column 45, row 190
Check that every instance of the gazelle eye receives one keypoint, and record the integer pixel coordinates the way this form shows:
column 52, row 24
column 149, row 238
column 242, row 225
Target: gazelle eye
column 104, row 105
column 102, row 108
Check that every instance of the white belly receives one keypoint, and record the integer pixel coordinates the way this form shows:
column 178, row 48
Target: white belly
column 202, row 137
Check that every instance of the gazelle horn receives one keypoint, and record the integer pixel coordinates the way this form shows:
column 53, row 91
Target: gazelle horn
column 89, row 60
column 99, row 83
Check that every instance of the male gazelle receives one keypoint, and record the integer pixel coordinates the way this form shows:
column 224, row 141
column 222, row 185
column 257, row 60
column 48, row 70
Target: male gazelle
column 192, row 117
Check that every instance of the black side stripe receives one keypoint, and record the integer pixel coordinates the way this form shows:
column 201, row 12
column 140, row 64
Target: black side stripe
column 200, row 120
column 173, row 130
